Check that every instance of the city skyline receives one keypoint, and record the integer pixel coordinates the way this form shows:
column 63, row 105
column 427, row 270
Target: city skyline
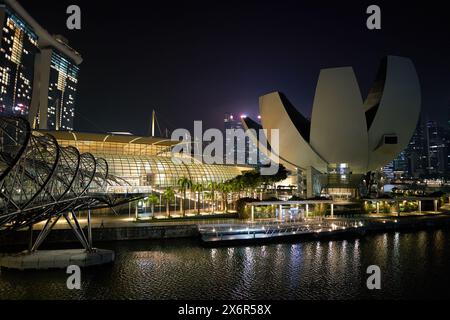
column 224, row 155
column 175, row 62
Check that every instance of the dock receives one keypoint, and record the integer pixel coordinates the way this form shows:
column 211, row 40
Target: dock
column 276, row 230
column 305, row 229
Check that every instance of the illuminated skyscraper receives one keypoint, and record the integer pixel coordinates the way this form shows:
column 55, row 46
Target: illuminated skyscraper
column 250, row 153
column 18, row 47
column 38, row 71
column 58, row 79
column 240, row 148
column 437, row 150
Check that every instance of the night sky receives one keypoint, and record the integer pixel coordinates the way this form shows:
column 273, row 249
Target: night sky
column 196, row 60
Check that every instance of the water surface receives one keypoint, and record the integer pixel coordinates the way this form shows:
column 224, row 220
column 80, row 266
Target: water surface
column 414, row 265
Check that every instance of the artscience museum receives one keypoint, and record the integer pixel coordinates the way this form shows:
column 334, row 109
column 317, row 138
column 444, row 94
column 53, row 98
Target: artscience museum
column 348, row 136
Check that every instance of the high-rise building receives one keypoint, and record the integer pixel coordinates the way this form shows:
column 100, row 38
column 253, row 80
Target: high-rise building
column 417, row 153
column 388, row 171
column 239, row 143
column 401, row 165
column 437, row 147
column 17, row 53
column 427, row 155
column 58, row 79
column 413, row 161
column 38, row 71
column 244, row 148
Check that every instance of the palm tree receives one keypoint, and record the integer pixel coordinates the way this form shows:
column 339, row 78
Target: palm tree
column 228, row 189
column 237, row 186
column 198, row 188
column 168, row 195
column 224, row 188
column 184, row 183
column 152, row 200
column 212, row 186
column 220, row 188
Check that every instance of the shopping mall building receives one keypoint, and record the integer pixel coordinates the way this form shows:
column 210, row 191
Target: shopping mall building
column 145, row 163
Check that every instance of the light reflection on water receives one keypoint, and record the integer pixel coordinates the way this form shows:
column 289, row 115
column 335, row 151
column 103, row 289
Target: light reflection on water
column 414, row 265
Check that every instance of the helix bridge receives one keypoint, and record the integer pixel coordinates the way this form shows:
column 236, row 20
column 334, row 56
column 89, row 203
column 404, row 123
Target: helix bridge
column 41, row 181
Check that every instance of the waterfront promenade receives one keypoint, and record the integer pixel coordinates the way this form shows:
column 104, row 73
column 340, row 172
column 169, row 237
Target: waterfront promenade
column 128, row 221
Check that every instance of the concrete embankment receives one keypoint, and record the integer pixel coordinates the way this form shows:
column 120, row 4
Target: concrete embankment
column 138, row 232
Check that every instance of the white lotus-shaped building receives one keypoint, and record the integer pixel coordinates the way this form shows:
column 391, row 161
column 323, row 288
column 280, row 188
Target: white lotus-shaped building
column 345, row 130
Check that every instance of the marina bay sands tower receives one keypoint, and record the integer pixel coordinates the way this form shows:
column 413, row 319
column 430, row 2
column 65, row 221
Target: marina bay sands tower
column 38, row 71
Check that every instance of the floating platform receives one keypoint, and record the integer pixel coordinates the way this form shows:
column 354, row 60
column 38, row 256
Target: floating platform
column 259, row 238
column 56, row 259
column 258, row 233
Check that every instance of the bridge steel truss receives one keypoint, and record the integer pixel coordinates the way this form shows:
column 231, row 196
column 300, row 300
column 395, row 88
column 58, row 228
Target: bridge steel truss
column 41, row 181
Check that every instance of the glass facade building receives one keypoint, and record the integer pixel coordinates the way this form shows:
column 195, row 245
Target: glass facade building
column 18, row 47
column 162, row 172
column 427, row 155
column 38, row 71
column 243, row 148
column 437, row 150
column 145, row 161
column 62, row 92
column 240, row 148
